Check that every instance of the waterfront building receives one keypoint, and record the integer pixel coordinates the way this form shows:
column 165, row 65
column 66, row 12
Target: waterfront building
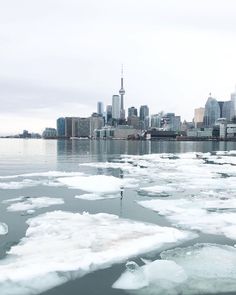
column 109, row 114
column 100, row 109
column 116, row 107
column 198, row 117
column 226, row 110
column 143, row 112
column 134, row 121
column 233, row 104
column 80, row 127
column 132, row 111
column 156, row 121
column 61, row 127
column 170, row 122
column 68, row 127
column 49, row 133
column 96, row 122
column 212, row 112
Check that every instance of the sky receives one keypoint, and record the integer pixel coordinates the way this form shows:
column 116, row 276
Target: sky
column 60, row 57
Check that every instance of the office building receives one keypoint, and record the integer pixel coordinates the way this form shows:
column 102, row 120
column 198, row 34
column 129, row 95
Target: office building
column 116, row 107
column 198, row 117
column 61, row 127
column 132, row 111
column 100, row 109
column 212, row 112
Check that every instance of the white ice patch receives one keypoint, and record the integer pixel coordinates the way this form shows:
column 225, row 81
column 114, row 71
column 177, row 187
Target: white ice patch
column 59, row 246
column 159, row 189
column 94, row 196
column 98, row 183
column 199, row 269
column 43, row 174
column 212, row 216
column 163, row 272
column 29, row 204
column 3, row 228
column 19, row 184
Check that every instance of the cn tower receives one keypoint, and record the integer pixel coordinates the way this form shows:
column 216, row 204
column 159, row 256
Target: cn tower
column 122, row 93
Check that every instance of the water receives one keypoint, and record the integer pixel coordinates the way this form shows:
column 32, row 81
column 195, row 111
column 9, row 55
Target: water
column 35, row 156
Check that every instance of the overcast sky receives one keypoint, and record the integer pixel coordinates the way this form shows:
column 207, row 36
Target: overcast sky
column 59, row 57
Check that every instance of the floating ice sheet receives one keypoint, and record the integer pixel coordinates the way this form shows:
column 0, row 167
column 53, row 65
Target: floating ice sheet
column 199, row 269
column 59, row 246
column 98, row 183
column 43, row 174
column 3, row 228
column 209, row 215
column 32, row 203
column 94, row 196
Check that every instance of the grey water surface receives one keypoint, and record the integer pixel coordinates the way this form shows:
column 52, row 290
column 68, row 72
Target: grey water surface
column 20, row 156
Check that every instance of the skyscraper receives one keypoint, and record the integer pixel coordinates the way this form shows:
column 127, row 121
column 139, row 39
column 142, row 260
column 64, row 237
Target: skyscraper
column 116, row 107
column 212, row 112
column 143, row 112
column 61, row 127
column 198, row 117
column 100, row 109
column 132, row 111
column 122, row 93
column 108, row 114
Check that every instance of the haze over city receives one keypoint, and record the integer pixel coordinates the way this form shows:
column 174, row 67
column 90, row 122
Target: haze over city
column 58, row 58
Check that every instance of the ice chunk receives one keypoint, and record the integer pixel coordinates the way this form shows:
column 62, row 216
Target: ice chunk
column 18, row 184
column 160, row 272
column 198, row 269
column 30, row 203
column 213, row 216
column 3, row 228
column 94, row 196
column 43, row 174
column 61, row 245
column 98, row 183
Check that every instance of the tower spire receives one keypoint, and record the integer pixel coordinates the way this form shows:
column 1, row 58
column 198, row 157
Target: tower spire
column 122, row 93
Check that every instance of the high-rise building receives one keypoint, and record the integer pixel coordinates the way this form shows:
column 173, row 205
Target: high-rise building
column 143, row 112
column 132, row 111
column 116, row 107
column 61, row 127
column 96, row 122
column 80, row 127
column 226, row 110
column 233, row 104
column 109, row 114
column 122, row 93
column 212, row 112
column 100, row 108
column 156, row 121
column 198, row 117
column 68, row 127
column 134, row 122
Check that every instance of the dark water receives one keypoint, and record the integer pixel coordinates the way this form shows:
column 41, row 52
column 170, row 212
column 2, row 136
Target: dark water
column 26, row 156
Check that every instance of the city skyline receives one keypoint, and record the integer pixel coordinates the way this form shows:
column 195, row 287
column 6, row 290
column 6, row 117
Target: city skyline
column 58, row 58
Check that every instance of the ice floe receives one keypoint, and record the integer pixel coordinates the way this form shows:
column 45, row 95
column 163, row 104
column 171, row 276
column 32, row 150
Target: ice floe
column 19, row 184
column 3, row 228
column 59, row 246
column 198, row 269
column 98, row 183
column 213, row 216
column 31, row 203
column 96, row 196
column 43, row 174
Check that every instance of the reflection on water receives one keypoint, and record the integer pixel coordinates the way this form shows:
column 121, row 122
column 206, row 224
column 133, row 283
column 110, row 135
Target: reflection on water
column 101, row 149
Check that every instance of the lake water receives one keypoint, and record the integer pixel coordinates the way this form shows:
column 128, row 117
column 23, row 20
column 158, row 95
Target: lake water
column 188, row 187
